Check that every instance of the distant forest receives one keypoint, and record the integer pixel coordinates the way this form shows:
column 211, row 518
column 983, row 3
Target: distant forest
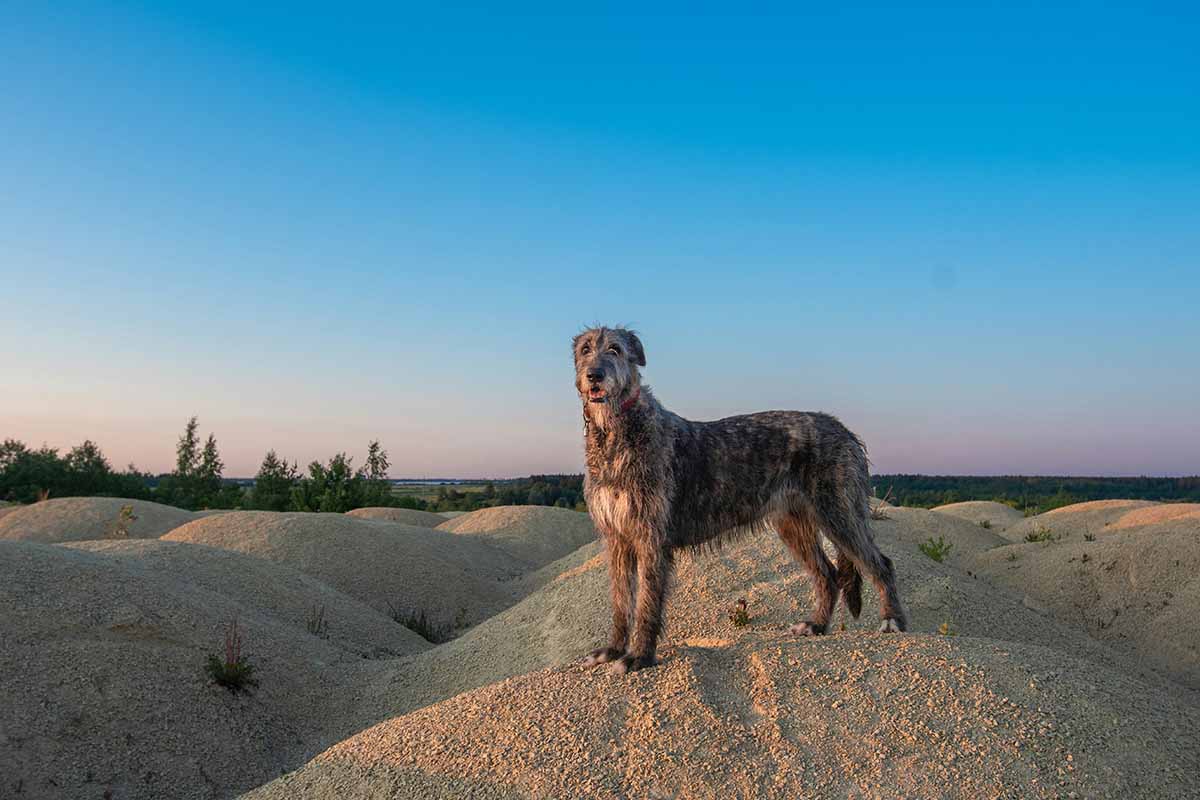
column 1030, row 494
column 28, row 475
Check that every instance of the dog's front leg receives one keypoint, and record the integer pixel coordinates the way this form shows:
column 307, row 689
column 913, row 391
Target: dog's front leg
column 622, row 564
column 654, row 564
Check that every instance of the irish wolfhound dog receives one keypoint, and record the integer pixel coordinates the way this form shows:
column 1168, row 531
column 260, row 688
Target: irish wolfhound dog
column 657, row 482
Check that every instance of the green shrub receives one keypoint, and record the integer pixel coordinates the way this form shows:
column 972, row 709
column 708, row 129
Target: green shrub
column 232, row 669
column 936, row 550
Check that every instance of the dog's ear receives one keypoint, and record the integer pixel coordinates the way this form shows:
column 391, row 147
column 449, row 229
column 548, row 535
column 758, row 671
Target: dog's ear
column 635, row 347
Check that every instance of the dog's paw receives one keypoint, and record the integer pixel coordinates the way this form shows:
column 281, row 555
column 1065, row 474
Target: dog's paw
column 632, row 663
column 602, row 656
column 892, row 625
column 808, row 628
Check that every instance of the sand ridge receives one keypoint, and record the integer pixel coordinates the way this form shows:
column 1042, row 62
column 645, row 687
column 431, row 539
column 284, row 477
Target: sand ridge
column 69, row 519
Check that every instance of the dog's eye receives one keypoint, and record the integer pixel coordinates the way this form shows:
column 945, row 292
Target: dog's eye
column 616, row 351
column 587, row 348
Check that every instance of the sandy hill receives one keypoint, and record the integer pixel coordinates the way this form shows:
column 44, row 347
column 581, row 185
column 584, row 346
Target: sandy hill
column 914, row 526
column 71, row 519
column 535, row 534
column 455, row 581
column 995, row 516
column 569, row 616
column 1076, row 521
column 409, row 516
column 1136, row 587
column 103, row 651
column 772, row 717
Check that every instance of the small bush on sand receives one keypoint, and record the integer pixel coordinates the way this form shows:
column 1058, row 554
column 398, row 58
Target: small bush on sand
column 985, row 523
column 1089, row 537
column 232, row 669
column 419, row 623
column 315, row 623
column 1041, row 535
column 119, row 529
column 738, row 615
column 935, row 550
column 879, row 510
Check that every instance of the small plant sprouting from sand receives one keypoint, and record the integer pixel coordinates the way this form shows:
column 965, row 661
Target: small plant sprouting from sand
column 232, row 669
column 986, row 524
column 1011, row 556
column 315, row 623
column 1089, row 537
column 418, row 622
column 937, row 550
column 1044, row 535
column 120, row 526
column 945, row 630
column 739, row 615
column 879, row 510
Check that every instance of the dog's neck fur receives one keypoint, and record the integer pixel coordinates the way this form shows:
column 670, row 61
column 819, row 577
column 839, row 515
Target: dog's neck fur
column 617, row 434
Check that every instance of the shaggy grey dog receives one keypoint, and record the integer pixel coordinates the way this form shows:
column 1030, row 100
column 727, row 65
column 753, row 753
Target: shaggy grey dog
column 656, row 483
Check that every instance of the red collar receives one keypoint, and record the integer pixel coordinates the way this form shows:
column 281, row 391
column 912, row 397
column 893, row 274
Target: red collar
column 628, row 402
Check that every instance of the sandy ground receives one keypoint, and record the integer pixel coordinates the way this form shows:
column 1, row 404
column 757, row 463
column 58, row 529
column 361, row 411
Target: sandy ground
column 455, row 581
column 996, row 516
column 103, row 653
column 70, row 519
column 766, row 717
column 1008, row 686
column 409, row 516
column 1077, row 521
column 535, row 534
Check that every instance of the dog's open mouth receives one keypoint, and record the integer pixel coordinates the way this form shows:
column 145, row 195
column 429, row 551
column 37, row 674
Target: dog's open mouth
column 597, row 395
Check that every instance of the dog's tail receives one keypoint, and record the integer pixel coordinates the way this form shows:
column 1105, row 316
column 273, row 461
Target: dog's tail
column 850, row 584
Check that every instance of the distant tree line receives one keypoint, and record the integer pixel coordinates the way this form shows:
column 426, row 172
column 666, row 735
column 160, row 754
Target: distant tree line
column 197, row 482
column 1031, row 494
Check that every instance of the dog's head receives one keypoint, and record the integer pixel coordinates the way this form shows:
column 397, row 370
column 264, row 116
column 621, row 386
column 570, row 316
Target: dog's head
column 606, row 367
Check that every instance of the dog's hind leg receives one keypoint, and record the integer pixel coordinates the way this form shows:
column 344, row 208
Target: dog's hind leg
column 846, row 526
column 622, row 565
column 799, row 532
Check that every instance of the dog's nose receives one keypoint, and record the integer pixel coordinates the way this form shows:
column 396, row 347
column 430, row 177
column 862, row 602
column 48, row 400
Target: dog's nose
column 595, row 375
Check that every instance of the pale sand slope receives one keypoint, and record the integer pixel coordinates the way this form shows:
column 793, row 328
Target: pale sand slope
column 409, row 516
column 764, row 716
column 103, row 662
column 1135, row 587
column 916, row 526
column 997, row 516
column 535, row 534
column 1076, row 521
column 6, row 509
column 569, row 616
column 454, row 580
column 72, row 519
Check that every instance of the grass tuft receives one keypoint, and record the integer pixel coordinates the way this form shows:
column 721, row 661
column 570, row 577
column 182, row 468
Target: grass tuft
column 315, row 623
column 739, row 615
column 232, row 669
column 1044, row 535
column 417, row 621
column 936, row 550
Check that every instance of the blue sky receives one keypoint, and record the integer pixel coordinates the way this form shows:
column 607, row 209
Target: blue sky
column 970, row 233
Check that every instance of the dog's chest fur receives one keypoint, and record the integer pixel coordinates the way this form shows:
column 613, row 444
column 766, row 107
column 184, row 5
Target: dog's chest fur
column 628, row 478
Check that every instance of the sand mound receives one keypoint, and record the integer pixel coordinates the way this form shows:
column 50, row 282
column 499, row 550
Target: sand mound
column 863, row 716
column 104, row 685
column 73, row 519
column 409, row 516
column 914, row 526
column 1159, row 514
column 456, row 581
column 6, row 509
column 1137, row 588
column 1076, row 521
column 996, row 516
column 277, row 590
column 452, row 514
column 535, row 534
column 569, row 616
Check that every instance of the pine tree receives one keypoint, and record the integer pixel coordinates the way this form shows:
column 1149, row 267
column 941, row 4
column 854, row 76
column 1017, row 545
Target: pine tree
column 208, row 474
